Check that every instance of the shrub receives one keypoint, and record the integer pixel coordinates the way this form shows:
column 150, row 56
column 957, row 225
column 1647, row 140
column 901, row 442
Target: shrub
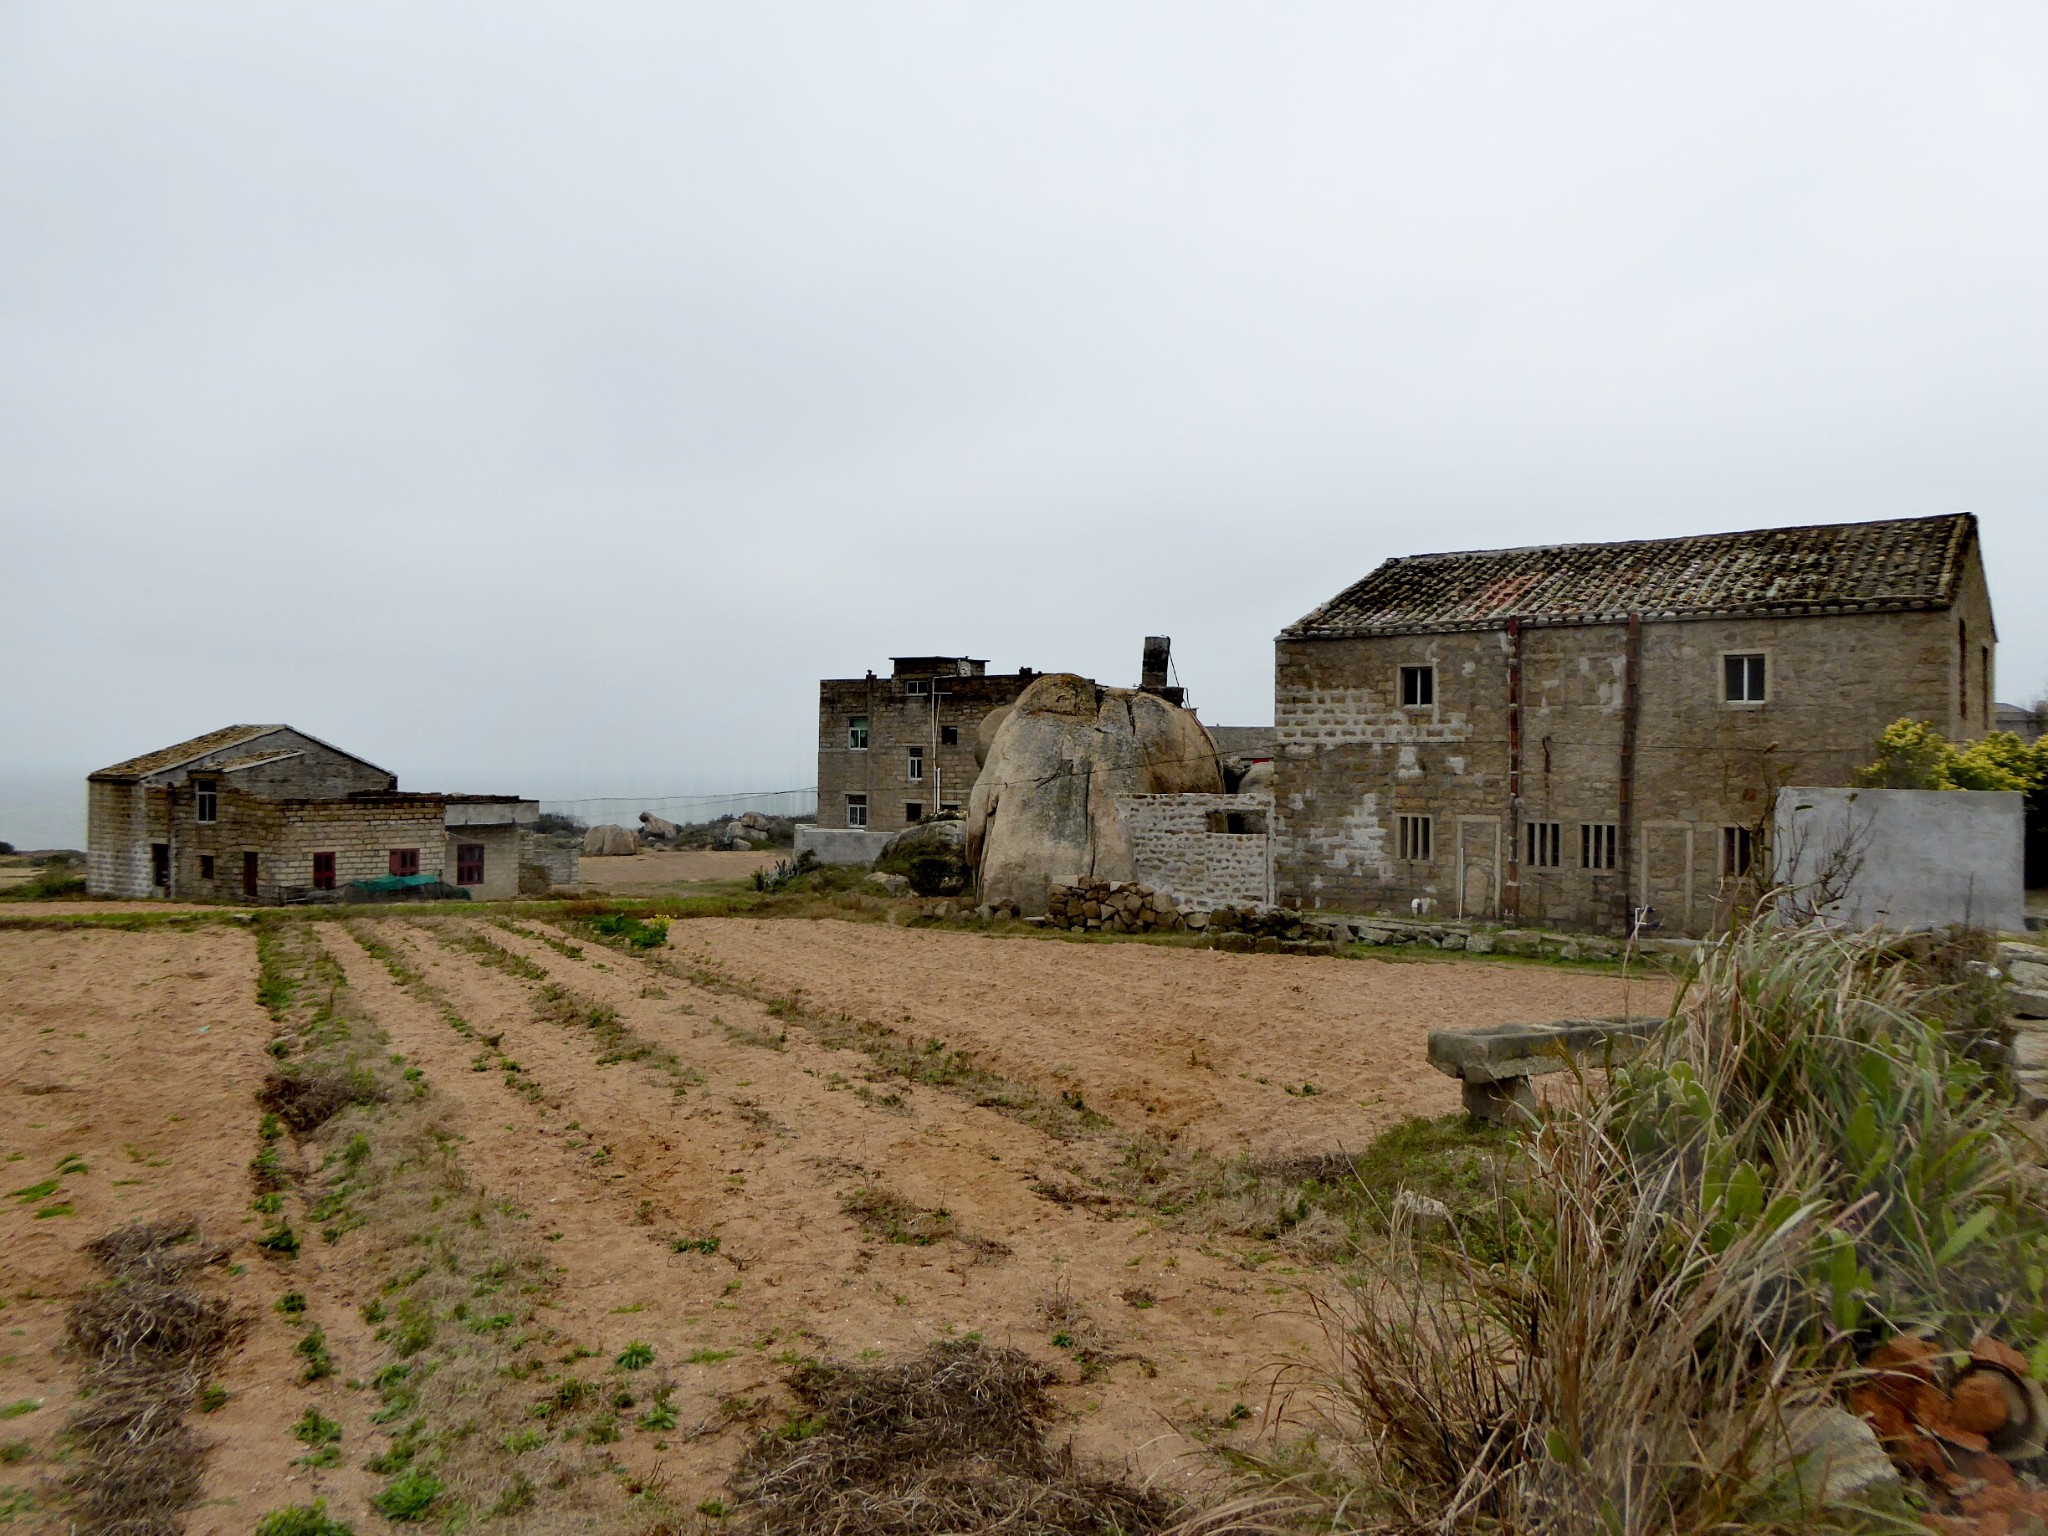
column 409, row 1495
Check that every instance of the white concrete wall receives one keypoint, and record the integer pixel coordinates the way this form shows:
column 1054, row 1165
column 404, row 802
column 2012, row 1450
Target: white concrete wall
column 1902, row 858
column 841, row 845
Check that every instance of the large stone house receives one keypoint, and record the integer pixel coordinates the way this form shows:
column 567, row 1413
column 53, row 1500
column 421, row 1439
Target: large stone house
column 1572, row 733
column 268, row 814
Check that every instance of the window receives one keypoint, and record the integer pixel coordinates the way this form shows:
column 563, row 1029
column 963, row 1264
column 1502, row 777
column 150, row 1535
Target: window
column 1596, row 844
column 856, row 733
column 1743, row 678
column 323, row 871
column 206, row 800
column 917, row 765
column 917, row 687
column 1546, row 840
column 913, row 812
column 405, row 861
column 949, row 735
column 469, row 863
column 249, row 874
column 160, row 864
column 1415, row 838
column 856, row 810
column 1738, row 851
column 1418, row 687
column 206, row 866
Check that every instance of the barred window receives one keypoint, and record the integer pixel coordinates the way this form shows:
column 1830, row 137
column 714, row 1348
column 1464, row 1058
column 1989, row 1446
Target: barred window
column 1415, row 837
column 1546, row 842
column 1597, row 840
column 1738, row 851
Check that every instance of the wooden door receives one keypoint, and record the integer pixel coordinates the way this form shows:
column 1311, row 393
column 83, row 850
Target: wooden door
column 1479, row 871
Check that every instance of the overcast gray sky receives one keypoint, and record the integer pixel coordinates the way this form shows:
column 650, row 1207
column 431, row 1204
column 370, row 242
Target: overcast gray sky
column 542, row 398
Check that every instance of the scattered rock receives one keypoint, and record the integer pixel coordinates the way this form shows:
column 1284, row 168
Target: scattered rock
column 895, row 885
column 1839, row 1457
column 1422, row 1210
column 609, row 841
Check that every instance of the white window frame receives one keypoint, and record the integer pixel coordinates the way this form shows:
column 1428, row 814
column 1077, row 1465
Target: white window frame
column 856, row 810
column 1745, row 702
column 916, row 765
column 1545, row 842
column 1424, row 672
column 1599, row 846
column 856, row 733
column 917, row 687
column 205, row 801
column 1416, row 833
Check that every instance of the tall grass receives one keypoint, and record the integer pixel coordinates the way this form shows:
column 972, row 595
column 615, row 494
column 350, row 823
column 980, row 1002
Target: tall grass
column 1687, row 1257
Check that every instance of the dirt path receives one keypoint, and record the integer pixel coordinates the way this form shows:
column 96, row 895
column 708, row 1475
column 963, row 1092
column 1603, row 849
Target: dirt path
column 1267, row 1052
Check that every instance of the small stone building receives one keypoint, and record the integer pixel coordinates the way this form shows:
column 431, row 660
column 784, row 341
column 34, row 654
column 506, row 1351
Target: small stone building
column 269, row 814
column 1571, row 734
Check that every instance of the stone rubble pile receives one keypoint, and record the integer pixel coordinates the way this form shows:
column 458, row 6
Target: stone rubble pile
column 1116, row 906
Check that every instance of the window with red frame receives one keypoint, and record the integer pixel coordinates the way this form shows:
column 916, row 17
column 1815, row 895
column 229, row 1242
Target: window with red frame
column 405, row 861
column 323, row 871
column 469, row 863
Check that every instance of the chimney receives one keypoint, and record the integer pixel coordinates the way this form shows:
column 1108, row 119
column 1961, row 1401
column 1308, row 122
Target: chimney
column 1152, row 676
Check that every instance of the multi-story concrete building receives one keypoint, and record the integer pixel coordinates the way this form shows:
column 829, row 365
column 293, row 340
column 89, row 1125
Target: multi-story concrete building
column 266, row 813
column 1572, row 733
column 894, row 750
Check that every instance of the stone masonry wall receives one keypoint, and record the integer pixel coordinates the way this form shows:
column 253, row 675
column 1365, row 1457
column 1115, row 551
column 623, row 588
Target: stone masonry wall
column 1351, row 760
column 897, row 720
column 1180, row 847
column 117, row 838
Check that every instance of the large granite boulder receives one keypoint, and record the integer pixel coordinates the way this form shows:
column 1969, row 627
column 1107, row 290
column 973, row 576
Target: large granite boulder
column 931, row 855
column 609, row 841
column 1044, row 808
column 658, row 827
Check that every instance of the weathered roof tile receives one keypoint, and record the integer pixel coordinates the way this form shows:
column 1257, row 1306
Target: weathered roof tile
column 1907, row 563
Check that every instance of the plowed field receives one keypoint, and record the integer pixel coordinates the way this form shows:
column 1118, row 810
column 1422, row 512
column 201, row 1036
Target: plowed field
column 763, row 1142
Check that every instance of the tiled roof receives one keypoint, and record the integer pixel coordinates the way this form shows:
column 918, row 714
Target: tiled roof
column 1836, row 567
column 185, row 751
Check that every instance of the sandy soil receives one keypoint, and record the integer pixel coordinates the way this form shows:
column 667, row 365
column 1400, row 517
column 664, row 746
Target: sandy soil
column 140, row 1054
column 1220, row 1046
column 646, row 871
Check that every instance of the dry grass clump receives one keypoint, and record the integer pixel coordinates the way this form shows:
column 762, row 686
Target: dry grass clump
column 883, row 1213
column 307, row 1097
column 1687, row 1257
column 952, row 1440
column 150, row 1339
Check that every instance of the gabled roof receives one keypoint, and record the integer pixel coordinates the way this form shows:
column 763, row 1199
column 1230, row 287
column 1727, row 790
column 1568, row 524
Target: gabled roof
column 1831, row 568
column 185, row 751
column 166, row 759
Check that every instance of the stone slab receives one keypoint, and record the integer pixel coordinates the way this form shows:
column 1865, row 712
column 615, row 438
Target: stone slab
column 1502, row 1051
column 2026, row 1003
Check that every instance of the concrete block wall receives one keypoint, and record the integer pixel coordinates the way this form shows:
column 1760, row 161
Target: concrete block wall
column 562, row 858
column 1903, row 859
column 841, row 845
column 117, row 840
column 360, row 835
column 501, row 845
column 1180, row 847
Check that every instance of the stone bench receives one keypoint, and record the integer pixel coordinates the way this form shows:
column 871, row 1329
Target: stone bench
column 1494, row 1064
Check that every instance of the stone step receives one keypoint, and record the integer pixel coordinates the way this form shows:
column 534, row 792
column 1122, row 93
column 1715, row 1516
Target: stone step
column 2027, row 1003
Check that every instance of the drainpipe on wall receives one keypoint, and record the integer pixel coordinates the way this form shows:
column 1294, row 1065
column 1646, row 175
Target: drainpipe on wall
column 1631, row 712
column 1511, row 888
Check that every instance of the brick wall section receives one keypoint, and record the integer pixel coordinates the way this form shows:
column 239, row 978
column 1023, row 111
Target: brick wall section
column 285, row 834
column 1350, row 760
column 897, row 720
column 1178, row 849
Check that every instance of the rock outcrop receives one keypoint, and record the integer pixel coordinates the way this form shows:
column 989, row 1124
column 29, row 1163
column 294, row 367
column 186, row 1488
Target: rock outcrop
column 657, row 827
column 931, row 855
column 1044, row 807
